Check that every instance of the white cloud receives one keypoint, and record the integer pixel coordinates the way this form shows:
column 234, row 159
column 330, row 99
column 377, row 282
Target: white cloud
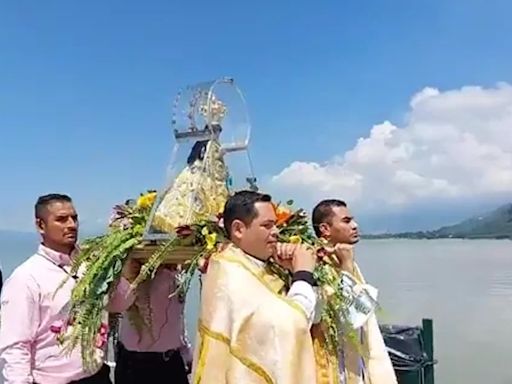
column 453, row 144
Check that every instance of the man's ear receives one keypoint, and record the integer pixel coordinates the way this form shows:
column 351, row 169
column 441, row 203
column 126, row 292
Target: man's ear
column 40, row 226
column 237, row 229
column 325, row 230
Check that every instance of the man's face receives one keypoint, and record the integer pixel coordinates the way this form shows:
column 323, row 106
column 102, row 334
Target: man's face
column 258, row 238
column 342, row 229
column 58, row 225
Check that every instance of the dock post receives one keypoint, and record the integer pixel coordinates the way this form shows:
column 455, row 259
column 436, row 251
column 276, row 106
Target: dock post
column 428, row 338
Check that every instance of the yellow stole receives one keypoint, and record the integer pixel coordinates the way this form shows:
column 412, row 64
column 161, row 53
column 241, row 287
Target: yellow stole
column 249, row 332
column 326, row 364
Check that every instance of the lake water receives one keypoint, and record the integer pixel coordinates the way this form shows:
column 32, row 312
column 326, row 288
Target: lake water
column 465, row 286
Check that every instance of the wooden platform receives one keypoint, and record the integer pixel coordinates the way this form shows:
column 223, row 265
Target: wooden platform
column 177, row 255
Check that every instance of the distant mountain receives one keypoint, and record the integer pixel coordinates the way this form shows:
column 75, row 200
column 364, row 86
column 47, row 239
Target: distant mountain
column 492, row 225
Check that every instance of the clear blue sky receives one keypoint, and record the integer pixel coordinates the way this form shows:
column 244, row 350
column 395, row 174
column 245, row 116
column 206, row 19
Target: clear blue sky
column 86, row 87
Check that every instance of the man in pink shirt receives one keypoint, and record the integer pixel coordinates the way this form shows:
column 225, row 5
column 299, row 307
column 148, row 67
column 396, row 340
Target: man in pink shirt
column 32, row 313
column 161, row 353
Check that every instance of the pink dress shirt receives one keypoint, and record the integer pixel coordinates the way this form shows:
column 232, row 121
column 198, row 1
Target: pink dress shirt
column 29, row 314
column 167, row 318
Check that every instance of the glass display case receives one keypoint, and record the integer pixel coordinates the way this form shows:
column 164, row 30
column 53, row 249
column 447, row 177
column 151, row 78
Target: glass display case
column 210, row 158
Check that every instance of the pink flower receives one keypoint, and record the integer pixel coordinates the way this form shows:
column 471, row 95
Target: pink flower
column 102, row 336
column 57, row 326
column 321, row 253
column 103, row 329
column 101, row 340
column 184, row 231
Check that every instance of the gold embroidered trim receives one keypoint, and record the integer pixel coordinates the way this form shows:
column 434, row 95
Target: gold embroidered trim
column 326, row 364
column 253, row 366
column 203, row 352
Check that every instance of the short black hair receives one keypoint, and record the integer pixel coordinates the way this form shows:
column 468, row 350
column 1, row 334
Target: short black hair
column 322, row 213
column 241, row 206
column 45, row 200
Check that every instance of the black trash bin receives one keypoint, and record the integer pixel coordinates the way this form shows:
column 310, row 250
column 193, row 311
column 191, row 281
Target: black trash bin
column 411, row 352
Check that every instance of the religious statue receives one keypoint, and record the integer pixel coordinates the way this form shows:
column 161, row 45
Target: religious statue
column 200, row 190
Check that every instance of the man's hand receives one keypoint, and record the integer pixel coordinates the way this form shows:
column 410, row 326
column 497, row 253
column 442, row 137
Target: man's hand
column 131, row 269
column 342, row 257
column 304, row 259
column 283, row 254
column 295, row 257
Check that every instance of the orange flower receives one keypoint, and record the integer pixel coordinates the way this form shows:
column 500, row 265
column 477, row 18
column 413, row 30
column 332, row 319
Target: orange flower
column 282, row 214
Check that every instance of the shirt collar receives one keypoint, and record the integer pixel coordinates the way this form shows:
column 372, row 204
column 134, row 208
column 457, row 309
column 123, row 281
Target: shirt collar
column 56, row 257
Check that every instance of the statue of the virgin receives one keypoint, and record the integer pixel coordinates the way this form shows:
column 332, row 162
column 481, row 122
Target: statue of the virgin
column 200, row 190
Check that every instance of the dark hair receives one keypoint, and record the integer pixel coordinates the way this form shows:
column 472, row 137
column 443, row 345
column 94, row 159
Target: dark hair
column 44, row 201
column 240, row 206
column 322, row 213
column 199, row 148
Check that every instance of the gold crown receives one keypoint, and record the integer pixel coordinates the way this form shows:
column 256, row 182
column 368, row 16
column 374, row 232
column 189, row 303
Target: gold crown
column 213, row 111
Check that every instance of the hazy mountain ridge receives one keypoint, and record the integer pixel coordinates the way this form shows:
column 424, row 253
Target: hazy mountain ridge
column 496, row 224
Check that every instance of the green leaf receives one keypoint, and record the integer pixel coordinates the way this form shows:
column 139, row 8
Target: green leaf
column 118, row 266
column 289, row 202
column 102, row 288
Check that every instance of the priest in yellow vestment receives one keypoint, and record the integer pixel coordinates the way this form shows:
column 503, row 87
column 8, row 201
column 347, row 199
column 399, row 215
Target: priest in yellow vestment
column 250, row 330
column 369, row 364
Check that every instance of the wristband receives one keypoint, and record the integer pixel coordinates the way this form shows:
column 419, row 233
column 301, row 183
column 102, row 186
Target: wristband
column 304, row 276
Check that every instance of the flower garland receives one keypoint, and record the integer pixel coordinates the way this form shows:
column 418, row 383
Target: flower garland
column 294, row 227
column 99, row 265
column 102, row 259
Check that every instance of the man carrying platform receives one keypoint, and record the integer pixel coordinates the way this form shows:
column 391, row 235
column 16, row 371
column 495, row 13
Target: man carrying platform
column 34, row 312
column 160, row 350
column 250, row 330
column 333, row 222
